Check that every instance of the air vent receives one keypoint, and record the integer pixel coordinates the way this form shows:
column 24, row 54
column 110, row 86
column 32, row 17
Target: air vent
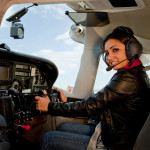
column 123, row 3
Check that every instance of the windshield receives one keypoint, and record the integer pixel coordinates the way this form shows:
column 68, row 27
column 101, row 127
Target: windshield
column 46, row 35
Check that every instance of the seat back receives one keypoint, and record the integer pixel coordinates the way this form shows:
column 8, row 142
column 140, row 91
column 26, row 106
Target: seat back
column 143, row 139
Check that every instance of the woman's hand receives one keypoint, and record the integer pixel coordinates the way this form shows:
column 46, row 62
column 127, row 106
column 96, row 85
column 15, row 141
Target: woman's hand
column 62, row 96
column 42, row 102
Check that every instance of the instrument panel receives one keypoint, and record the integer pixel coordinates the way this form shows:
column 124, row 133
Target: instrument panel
column 24, row 77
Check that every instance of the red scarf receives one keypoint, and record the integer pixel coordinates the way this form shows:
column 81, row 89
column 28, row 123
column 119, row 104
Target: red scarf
column 136, row 62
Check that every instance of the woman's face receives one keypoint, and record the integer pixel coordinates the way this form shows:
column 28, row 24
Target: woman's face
column 115, row 53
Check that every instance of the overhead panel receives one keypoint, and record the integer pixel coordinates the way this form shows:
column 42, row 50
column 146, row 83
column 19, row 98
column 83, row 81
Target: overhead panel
column 107, row 5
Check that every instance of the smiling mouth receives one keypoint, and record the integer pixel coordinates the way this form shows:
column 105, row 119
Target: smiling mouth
column 113, row 63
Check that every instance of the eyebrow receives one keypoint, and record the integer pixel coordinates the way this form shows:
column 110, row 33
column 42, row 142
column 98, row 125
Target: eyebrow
column 111, row 47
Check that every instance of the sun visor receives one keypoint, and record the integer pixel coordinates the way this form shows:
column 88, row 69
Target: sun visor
column 89, row 19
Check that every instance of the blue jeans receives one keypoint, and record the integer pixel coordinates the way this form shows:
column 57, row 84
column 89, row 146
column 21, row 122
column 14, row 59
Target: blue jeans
column 70, row 136
column 4, row 146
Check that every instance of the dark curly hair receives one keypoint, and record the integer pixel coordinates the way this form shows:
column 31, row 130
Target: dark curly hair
column 120, row 33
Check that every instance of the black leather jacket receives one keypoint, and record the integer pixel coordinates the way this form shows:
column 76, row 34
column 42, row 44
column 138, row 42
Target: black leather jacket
column 122, row 107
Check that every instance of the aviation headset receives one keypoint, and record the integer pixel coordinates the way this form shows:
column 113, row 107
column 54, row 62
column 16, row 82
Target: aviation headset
column 132, row 46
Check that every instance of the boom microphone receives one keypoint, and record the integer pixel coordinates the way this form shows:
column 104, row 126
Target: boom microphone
column 110, row 67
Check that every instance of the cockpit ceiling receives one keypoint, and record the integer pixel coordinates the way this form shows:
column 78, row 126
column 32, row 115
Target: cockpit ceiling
column 84, row 5
column 5, row 4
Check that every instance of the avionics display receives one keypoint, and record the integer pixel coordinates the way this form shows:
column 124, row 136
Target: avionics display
column 4, row 73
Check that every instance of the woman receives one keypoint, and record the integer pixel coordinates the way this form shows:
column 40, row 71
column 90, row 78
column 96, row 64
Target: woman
column 122, row 105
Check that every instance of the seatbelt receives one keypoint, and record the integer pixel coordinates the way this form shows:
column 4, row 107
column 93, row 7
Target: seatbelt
column 93, row 141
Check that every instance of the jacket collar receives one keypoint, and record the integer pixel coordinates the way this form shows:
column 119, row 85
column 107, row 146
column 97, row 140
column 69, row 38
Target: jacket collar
column 136, row 62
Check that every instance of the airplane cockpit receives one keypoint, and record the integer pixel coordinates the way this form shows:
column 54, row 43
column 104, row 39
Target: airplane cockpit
column 24, row 75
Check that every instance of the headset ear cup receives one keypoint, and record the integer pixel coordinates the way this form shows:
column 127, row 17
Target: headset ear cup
column 133, row 48
column 127, row 48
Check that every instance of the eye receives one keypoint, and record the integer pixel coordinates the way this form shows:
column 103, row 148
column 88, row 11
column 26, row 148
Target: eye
column 106, row 53
column 115, row 49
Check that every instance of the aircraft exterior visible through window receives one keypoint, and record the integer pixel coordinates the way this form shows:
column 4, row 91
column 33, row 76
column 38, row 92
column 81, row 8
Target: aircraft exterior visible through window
column 40, row 50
